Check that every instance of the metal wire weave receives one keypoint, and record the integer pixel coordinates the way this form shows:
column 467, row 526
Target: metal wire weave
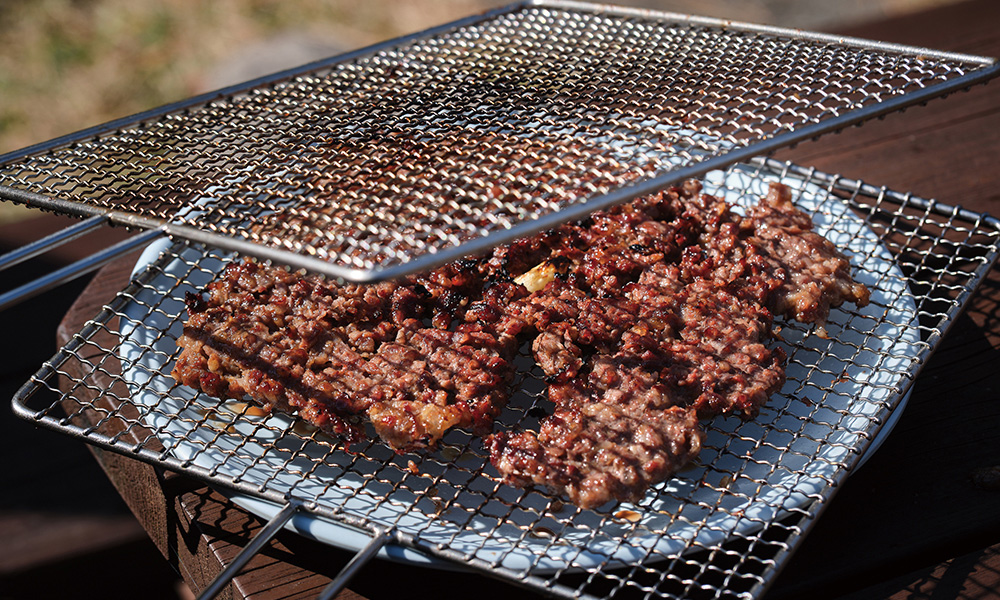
column 451, row 141
column 720, row 529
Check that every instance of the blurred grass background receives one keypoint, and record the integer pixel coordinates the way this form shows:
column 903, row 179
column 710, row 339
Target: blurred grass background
column 69, row 64
column 66, row 64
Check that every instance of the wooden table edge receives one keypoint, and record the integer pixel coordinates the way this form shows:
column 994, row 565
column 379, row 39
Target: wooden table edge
column 171, row 507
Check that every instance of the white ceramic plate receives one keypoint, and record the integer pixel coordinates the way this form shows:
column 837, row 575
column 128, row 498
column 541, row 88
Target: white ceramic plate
column 838, row 391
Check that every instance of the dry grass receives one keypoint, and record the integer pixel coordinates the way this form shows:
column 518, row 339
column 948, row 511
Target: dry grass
column 68, row 64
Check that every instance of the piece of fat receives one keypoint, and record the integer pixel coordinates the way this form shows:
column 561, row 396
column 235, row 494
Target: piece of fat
column 538, row 277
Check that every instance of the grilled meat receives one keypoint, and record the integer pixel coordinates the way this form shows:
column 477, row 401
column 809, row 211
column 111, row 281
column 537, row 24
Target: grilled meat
column 644, row 318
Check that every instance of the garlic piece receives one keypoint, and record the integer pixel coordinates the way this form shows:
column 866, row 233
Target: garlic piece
column 538, row 277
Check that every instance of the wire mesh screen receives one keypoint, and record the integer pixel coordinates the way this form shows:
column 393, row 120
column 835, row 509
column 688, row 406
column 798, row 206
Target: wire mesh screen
column 719, row 529
column 475, row 133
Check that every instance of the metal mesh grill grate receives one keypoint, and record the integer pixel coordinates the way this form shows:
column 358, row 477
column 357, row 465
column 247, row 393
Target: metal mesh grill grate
column 721, row 528
column 473, row 134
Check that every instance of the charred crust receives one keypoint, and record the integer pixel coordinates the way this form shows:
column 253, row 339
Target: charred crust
column 467, row 264
column 194, row 302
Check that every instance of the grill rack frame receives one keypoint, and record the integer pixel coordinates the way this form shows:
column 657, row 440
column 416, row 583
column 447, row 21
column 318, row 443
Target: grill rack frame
column 897, row 216
column 714, row 150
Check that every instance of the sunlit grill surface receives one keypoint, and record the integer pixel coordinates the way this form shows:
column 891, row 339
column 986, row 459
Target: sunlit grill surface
column 721, row 527
column 418, row 150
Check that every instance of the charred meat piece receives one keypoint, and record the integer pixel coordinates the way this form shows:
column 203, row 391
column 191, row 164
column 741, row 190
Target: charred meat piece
column 333, row 354
column 598, row 450
column 430, row 380
column 659, row 357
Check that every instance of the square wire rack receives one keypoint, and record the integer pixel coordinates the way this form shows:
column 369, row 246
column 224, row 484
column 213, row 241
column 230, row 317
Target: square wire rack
column 401, row 156
column 720, row 529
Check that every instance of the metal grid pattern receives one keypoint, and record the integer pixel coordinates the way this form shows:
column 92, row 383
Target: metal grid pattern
column 413, row 152
column 720, row 529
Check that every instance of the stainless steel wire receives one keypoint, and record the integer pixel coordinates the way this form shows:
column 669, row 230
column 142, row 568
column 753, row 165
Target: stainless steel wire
column 722, row 528
column 414, row 152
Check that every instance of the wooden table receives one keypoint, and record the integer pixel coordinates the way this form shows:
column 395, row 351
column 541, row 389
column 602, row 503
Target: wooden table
column 909, row 524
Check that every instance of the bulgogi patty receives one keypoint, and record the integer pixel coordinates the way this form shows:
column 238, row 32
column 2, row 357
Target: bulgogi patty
column 644, row 319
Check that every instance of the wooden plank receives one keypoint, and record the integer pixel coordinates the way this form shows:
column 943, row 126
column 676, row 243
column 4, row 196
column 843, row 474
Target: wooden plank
column 40, row 524
column 222, row 530
column 32, row 538
column 904, row 150
column 974, row 575
column 196, row 529
column 914, row 504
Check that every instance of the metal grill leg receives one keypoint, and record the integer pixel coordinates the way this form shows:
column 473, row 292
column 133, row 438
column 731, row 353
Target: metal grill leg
column 256, row 544
column 360, row 559
column 72, row 271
